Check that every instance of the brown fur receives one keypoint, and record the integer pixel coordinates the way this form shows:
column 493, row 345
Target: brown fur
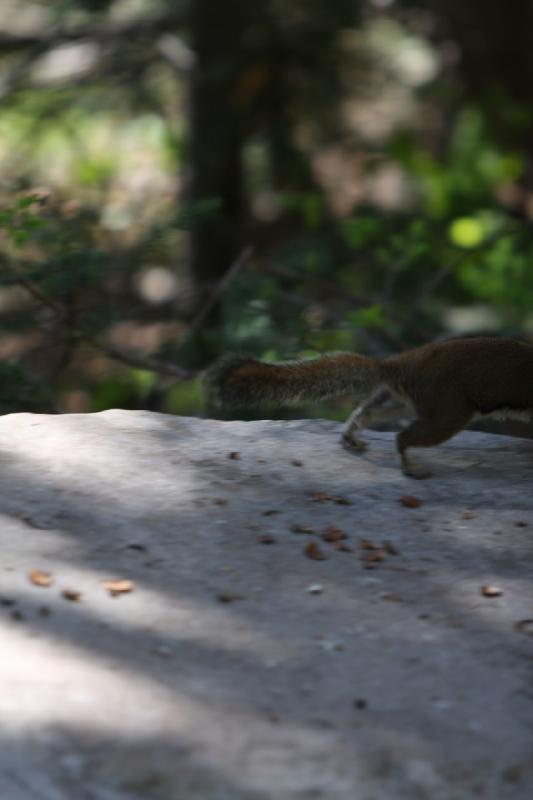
column 243, row 382
column 444, row 384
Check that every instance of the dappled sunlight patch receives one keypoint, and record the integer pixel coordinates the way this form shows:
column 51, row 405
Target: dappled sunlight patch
column 50, row 681
column 135, row 615
column 104, row 455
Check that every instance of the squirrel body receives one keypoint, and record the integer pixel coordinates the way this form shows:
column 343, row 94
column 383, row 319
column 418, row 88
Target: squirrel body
column 445, row 385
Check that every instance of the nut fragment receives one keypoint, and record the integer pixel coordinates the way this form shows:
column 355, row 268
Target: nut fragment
column 409, row 501
column 368, row 544
column 312, row 550
column 266, row 539
column 342, row 501
column 491, row 591
column 228, row 597
column 40, row 578
column 332, row 534
column 301, row 529
column 320, row 497
column 119, row 586
column 72, row 595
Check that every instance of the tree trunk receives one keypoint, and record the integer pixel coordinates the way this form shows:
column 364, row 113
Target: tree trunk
column 216, row 138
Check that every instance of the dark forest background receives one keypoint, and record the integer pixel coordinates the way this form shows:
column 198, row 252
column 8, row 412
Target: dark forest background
column 183, row 179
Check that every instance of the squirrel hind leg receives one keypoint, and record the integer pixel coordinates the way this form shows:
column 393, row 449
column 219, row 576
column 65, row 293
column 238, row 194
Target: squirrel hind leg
column 428, row 432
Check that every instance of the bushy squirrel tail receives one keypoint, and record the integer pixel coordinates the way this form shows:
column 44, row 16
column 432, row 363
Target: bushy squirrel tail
column 245, row 382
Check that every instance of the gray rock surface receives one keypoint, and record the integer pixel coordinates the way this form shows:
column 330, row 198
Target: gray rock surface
column 242, row 670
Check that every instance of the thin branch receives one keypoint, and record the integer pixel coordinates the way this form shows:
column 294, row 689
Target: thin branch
column 218, row 291
column 139, row 362
column 197, row 323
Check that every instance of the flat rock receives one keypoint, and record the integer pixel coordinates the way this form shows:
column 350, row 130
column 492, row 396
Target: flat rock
column 398, row 665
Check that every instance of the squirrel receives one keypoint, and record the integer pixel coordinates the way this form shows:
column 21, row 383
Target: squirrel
column 445, row 385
